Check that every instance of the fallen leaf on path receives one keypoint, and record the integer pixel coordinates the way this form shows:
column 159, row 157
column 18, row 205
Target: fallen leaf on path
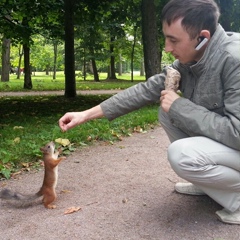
column 65, row 191
column 121, row 147
column 138, row 129
column 72, row 210
column 26, row 165
column 14, row 175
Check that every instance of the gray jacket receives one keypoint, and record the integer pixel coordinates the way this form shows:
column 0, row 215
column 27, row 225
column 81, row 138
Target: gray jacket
column 210, row 105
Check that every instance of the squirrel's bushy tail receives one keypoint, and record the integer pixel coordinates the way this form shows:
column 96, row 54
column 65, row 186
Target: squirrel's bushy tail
column 7, row 194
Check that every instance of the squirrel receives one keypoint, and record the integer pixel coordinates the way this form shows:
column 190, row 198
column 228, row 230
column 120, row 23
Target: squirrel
column 51, row 161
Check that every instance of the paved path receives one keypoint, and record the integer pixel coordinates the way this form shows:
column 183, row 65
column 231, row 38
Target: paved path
column 125, row 192
column 40, row 93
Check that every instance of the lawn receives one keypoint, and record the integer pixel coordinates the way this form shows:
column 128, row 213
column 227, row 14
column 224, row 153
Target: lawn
column 27, row 123
column 42, row 82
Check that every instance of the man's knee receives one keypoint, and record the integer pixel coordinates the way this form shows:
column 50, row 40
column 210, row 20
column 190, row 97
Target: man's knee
column 174, row 155
column 182, row 157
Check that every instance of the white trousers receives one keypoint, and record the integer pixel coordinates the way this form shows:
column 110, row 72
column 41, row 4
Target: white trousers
column 210, row 165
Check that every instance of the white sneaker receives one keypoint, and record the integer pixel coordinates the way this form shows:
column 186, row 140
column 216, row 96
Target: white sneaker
column 188, row 188
column 229, row 217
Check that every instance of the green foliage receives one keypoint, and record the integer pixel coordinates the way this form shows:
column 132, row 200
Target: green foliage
column 167, row 58
column 20, row 19
column 42, row 54
column 230, row 11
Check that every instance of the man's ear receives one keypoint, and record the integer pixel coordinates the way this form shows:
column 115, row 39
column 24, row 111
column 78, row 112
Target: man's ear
column 205, row 34
column 202, row 39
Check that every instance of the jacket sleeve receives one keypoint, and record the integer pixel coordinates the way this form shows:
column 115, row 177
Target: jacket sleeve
column 134, row 97
column 196, row 120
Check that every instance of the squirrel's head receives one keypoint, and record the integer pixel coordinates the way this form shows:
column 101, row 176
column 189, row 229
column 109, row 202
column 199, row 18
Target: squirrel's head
column 48, row 148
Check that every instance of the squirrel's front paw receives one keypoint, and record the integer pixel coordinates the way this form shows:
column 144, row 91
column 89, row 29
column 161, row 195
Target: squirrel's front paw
column 59, row 150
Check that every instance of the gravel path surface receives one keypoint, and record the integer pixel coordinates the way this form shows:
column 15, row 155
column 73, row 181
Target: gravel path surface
column 125, row 191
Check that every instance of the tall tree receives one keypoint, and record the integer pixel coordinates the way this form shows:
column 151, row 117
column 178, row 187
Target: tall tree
column 88, row 29
column 150, row 38
column 115, row 18
column 26, row 52
column 5, row 60
column 20, row 19
column 55, row 48
column 70, row 81
column 16, row 26
column 112, row 71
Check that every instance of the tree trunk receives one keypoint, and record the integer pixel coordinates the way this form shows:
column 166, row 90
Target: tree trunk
column 150, row 38
column 133, row 49
column 94, row 65
column 70, row 80
column 142, row 70
column 20, row 52
column 112, row 73
column 5, row 60
column 84, row 66
column 108, row 72
column 47, row 69
column 55, row 45
column 27, row 68
column 95, row 72
column 120, row 67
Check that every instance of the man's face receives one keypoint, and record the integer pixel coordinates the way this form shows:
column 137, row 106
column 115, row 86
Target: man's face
column 179, row 43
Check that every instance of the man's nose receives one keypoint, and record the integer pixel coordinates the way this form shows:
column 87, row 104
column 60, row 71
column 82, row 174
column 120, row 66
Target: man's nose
column 168, row 47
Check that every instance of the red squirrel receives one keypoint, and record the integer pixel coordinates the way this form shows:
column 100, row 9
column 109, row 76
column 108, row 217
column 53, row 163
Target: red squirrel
column 51, row 161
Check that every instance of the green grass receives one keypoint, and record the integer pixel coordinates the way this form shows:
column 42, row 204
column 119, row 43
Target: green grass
column 42, row 82
column 27, row 123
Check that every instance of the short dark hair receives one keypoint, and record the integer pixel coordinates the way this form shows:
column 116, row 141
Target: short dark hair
column 196, row 15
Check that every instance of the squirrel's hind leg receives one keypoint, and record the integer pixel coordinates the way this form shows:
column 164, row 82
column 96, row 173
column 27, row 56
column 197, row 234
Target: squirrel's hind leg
column 47, row 200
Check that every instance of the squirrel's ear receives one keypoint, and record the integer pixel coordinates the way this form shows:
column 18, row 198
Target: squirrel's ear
column 41, row 149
